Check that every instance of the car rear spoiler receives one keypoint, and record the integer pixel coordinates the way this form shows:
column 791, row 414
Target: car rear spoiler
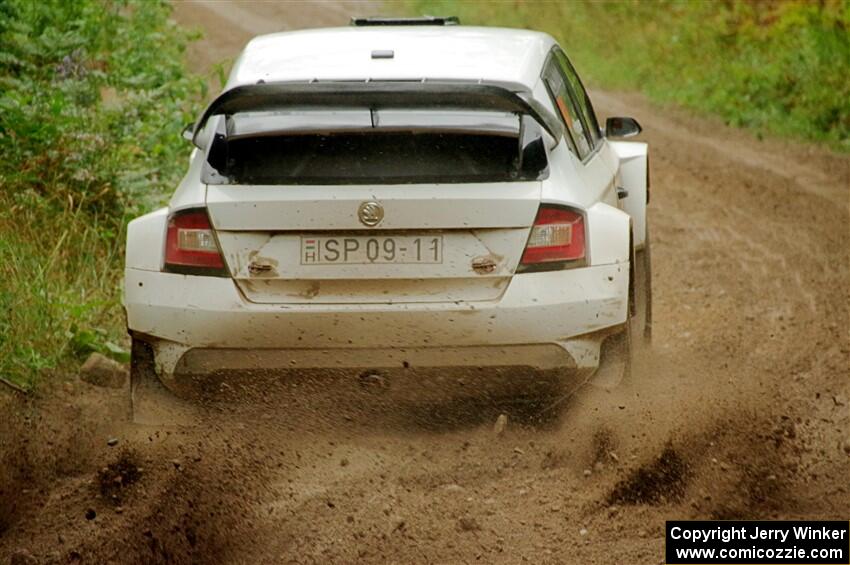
column 380, row 94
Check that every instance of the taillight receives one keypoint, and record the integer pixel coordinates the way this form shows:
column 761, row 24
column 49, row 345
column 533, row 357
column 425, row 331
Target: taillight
column 557, row 240
column 190, row 245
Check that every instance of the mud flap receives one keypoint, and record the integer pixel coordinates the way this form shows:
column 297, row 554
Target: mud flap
column 151, row 404
column 618, row 351
column 615, row 363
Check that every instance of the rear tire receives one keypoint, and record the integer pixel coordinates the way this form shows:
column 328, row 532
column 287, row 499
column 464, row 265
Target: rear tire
column 642, row 319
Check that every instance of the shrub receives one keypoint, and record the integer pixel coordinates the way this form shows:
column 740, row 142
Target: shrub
column 93, row 95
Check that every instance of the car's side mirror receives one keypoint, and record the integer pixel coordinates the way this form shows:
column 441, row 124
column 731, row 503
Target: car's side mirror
column 622, row 127
column 188, row 131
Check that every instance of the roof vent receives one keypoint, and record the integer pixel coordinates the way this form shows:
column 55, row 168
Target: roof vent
column 383, row 54
column 423, row 21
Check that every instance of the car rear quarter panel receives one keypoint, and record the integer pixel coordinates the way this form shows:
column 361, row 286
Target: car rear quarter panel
column 191, row 192
column 146, row 241
column 569, row 185
column 608, row 234
column 146, row 234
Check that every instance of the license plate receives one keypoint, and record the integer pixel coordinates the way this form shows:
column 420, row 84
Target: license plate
column 346, row 250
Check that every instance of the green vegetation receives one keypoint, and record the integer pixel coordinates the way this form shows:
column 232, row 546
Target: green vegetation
column 93, row 95
column 780, row 67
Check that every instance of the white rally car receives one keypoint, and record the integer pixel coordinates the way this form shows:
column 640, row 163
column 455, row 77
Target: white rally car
column 396, row 194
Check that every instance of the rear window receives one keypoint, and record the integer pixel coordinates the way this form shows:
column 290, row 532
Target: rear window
column 372, row 158
column 386, row 147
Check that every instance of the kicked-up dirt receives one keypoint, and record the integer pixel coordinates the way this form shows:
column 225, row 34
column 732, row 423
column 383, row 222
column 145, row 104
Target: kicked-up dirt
column 740, row 409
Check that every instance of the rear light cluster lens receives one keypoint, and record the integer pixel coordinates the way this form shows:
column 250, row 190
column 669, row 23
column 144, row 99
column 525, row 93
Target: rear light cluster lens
column 557, row 240
column 190, row 245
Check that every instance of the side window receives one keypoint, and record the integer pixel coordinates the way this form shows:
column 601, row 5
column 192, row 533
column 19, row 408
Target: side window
column 557, row 84
column 581, row 97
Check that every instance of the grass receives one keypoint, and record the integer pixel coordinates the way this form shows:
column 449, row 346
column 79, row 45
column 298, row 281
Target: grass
column 93, row 95
column 60, row 287
column 777, row 67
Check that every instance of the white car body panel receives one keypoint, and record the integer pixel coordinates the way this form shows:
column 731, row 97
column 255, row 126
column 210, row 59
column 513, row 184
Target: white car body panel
column 420, row 206
column 633, row 164
column 297, row 316
column 437, row 53
column 191, row 192
column 146, row 241
column 284, row 279
column 186, row 312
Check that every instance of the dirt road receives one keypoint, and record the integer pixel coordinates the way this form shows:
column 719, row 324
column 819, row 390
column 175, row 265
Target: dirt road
column 742, row 408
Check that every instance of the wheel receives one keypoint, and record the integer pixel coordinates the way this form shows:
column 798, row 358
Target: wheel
column 150, row 402
column 642, row 318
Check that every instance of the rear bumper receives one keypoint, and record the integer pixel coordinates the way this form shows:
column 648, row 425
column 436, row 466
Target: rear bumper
column 543, row 320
